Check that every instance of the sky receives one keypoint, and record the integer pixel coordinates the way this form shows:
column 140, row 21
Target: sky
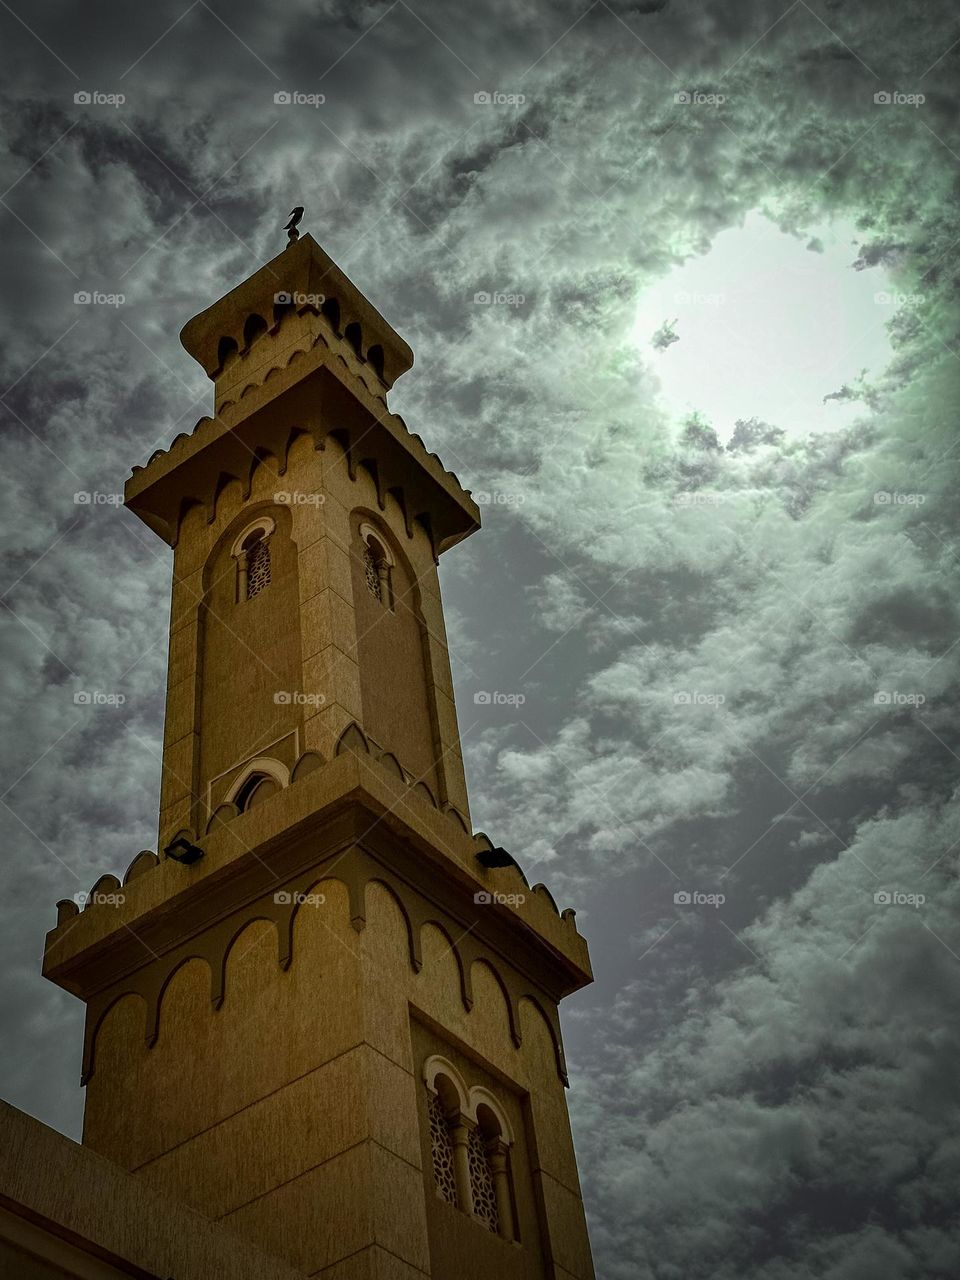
column 712, row 411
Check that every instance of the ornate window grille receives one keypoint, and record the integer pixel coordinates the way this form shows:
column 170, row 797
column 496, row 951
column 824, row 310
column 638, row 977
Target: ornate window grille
column 442, row 1148
column 258, row 568
column 481, row 1183
column 371, row 571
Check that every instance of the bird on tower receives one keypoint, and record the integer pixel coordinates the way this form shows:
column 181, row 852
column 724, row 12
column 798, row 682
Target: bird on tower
column 291, row 228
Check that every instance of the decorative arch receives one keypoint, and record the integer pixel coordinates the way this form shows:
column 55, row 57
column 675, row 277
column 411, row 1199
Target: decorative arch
column 227, row 352
column 218, row 995
column 354, row 335
column 224, row 480
column 553, row 1031
column 512, row 1021
column 258, row 770
column 282, row 307
column 251, row 551
column 156, row 999
column 145, row 860
column 375, row 356
column 264, row 525
column 413, row 949
column 254, row 327
column 436, row 1066
column 261, row 457
column 330, row 307
column 378, row 563
column 465, row 993
column 470, row 1139
column 481, row 1098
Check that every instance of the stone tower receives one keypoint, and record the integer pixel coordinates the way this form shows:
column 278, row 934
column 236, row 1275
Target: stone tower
column 326, row 1015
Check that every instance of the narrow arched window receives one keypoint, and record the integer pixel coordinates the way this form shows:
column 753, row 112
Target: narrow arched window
column 258, row 571
column 441, row 1147
column 255, row 326
column 257, row 788
column 226, row 352
column 251, row 551
column 354, row 335
column 470, row 1139
column 481, row 1182
column 371, row 568
column 490, row 1176
column 377, row 564
column 375, row 357
column 330, row 307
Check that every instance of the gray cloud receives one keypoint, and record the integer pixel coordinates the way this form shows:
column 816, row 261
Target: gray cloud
column 762, row 1089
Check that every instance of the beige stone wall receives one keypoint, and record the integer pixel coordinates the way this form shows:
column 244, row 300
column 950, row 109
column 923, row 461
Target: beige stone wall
column 295, row 1114
column 249, row 660
column 67, row 1212
column 395, row 696
column 312, row 633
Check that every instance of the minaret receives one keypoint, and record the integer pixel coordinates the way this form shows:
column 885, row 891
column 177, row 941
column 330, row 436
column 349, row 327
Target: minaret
column 326, row 1014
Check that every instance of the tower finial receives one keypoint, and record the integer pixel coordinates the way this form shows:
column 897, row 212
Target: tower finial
column 293, row 235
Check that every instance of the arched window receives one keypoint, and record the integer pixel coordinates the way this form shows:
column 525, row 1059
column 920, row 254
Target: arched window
column 354, row 335
column 441, row 1147
column 481, row 1183
column 283, row 306
column 375, row 356
column 489, row 1152
column 257, row 788
column 470, row 1140
column 258, row 781
column 377, row 563
column 255, row 326
column 251, row 550
column 258, row 560
column 226, row 352
column 330, row 307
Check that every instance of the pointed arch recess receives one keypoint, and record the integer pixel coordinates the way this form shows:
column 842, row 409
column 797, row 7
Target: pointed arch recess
column 355, row 872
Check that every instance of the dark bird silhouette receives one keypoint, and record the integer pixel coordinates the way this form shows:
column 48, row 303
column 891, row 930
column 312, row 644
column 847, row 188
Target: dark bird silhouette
column 294, row 218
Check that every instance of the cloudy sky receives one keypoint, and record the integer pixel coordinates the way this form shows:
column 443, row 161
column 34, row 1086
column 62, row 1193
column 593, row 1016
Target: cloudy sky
column 711, row 408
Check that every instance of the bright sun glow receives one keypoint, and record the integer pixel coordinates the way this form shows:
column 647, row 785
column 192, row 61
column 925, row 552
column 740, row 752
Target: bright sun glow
column 767, row 327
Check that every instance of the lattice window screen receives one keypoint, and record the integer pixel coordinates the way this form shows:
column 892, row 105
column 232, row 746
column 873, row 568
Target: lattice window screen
column 258, row 569
column 442, row 1148
column 481, row 1183
column 372, row 573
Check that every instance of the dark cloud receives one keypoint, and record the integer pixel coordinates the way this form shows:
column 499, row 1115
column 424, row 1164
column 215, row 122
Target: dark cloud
column 705, row 636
